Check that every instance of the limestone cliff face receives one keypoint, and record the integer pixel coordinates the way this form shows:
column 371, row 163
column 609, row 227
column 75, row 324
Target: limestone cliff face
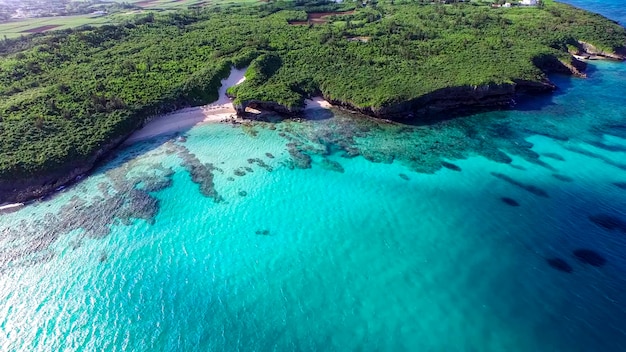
column 454, row 99
column 446, row 99
column 266, row 105
column 22, row 190
column 590, row 49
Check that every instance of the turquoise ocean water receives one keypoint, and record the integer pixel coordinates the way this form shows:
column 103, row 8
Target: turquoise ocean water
column 503, row 231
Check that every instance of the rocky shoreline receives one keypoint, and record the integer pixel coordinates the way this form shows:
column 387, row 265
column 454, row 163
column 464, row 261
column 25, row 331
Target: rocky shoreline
column 452, row 100
column 26, row 190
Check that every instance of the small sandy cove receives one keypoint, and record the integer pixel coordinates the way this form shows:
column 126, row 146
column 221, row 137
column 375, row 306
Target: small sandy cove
column 218, row 111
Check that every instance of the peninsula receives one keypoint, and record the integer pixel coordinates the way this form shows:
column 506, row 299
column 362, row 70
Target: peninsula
column 69, row 97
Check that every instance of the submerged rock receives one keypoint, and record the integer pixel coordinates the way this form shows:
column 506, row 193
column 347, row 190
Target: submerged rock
column 201, row 174
column 529, row 188
column 155, row 184
column 518, row 167
column 263, row 232
column 404, row 177
column 609, row 222
column 621, row 185
column 261, row 164
column 563, row 178
column 590, row 257
column 600, row 157
column 608, row 147
column 243, row 193
column 510, row 201
column 332, row 165
column 560, row 264
column 554, row 156
column 450, row 166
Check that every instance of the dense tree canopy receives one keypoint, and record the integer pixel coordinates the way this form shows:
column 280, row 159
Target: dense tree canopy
column 64, row 95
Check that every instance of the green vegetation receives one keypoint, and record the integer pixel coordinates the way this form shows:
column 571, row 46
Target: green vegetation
column 65, row 95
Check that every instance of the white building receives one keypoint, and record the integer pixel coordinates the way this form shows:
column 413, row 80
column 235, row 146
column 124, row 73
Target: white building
column 528, row 2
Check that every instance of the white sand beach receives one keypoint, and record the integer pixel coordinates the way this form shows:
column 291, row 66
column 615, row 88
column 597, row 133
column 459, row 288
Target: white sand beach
column 316, row 103
column 218, row 111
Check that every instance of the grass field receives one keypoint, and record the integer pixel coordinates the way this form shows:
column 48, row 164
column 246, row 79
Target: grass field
column 18, row 27
column 26, row 26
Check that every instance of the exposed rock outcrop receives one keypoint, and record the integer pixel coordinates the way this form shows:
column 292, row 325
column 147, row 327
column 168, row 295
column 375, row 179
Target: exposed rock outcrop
column 589, row 49
column 240, row 108
column 454, row 99
column 25, row 189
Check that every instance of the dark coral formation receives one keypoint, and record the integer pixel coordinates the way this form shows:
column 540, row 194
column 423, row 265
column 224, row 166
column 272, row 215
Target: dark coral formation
column 404, row 177
column 554, row 156
column 422, row 144
column 621, row 185
column 529, row 188
column 201, row 174
column 155, row 184
column 243, row 193
column 609, row 222
column 517, row 167
column 269, row 155
column 300, row 159
column 123, row 200
column 509, row 201
column 450, row 166
column 261, row 163
column 563, row 178
column 423, row 148
column 263, row 232
column 608, row 147
column 560, row 265
column 332, row 165
column 590, row 257
column 603, row 158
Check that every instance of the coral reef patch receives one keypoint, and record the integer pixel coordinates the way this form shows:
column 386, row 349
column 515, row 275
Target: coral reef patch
column 609, row 222
column 510, row 201
column 529, row 188
column 588, row 256
column 560, row 265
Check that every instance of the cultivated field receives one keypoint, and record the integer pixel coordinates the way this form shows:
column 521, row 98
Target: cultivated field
column 25, row 26
column 18, row 27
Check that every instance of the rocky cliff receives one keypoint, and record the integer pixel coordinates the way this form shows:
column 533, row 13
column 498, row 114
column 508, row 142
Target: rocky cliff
column 22, row 190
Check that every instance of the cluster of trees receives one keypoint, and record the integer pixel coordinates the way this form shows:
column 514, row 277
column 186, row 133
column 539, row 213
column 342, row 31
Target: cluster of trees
column 64, row 95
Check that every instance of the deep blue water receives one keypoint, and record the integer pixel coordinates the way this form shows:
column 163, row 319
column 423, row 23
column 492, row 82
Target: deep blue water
column 503, row 231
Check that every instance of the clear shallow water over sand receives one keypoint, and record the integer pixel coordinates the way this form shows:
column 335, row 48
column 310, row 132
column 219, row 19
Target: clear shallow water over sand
column 339, row 234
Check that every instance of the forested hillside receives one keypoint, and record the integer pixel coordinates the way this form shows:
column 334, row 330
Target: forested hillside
column 64, row 96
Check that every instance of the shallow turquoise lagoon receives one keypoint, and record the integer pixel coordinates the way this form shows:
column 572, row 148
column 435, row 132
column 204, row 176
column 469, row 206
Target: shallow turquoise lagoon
column 503, row 231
